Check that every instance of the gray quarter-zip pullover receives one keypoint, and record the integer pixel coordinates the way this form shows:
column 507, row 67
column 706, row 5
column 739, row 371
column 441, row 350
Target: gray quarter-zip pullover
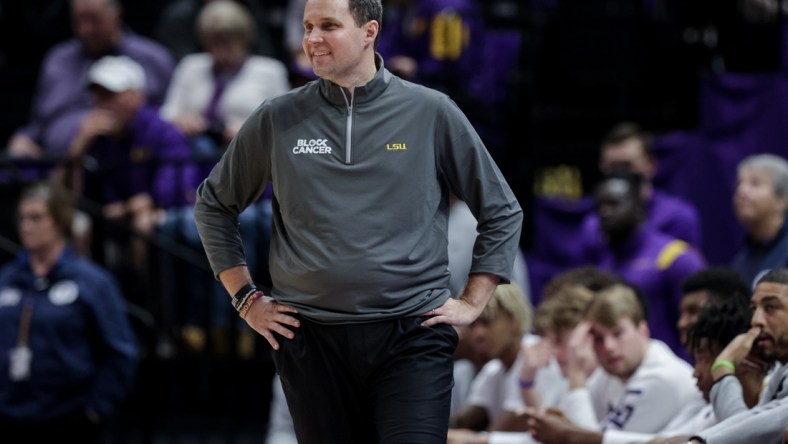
column 361, row 185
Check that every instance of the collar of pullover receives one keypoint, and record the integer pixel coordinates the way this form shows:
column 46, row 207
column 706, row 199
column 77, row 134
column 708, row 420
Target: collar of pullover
column 364, row 93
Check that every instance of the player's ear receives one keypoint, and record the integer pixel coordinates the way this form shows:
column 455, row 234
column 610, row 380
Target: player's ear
column 371, row 30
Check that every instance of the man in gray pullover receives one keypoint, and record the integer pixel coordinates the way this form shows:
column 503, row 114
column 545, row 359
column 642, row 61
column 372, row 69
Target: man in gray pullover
column 362, row 164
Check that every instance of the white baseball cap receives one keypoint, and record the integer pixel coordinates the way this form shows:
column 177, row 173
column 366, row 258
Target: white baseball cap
column 117, row 74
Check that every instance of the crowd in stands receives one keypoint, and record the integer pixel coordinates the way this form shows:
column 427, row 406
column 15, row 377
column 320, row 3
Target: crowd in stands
column 644, row 310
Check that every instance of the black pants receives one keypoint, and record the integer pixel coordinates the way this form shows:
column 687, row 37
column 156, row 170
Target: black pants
column 383, row 382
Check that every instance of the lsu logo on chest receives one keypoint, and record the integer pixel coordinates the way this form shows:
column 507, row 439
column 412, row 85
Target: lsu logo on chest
column 396, row 146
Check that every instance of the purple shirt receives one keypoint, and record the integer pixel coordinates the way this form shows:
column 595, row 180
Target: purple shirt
column 657, row 264
column 666, row 213
column 62, row 98
column 154, row 158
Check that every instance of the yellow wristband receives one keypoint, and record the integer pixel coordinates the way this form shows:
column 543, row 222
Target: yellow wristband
column 722, row 363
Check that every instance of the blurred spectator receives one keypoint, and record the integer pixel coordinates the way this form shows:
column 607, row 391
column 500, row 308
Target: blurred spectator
column 68, row 351
column 642, row 388
column 760, row 202
column 715, row 328
column 213, row 92
column 639, row 389
column 627, row 146
column 59, row 103
column 129, row 161
column 556, row 320
column 469, row 359
column 175, row 28
column 708, row 287
column 499, row 330
column 566, row 232
column 211, row 95
column 766, row 339
column 544, row 365
column 655, row 263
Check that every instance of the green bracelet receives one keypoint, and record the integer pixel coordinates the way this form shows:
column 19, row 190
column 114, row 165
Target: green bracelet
column 723, row 363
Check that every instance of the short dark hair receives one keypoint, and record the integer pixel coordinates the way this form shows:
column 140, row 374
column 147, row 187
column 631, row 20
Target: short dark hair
column 366, row 10
column 775, row 276
column 722, row 283
column 628, row 130
column 718, row 324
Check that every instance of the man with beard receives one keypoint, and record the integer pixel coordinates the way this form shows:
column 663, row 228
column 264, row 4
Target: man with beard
column 767, row 339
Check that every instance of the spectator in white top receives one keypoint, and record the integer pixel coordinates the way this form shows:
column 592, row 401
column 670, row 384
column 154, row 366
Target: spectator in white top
column 499, row 330
column 555, row 321
column 540, row 365
column 213, row 92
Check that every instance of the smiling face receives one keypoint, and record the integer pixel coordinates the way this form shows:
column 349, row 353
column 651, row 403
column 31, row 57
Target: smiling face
column 769, row 306
column 338, row 49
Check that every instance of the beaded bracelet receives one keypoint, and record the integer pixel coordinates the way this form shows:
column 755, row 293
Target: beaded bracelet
column 248, row 303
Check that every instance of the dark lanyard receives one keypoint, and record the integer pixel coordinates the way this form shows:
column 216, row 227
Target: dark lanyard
column 24, row 322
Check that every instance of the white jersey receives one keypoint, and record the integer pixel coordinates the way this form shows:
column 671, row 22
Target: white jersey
column 660, row 389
